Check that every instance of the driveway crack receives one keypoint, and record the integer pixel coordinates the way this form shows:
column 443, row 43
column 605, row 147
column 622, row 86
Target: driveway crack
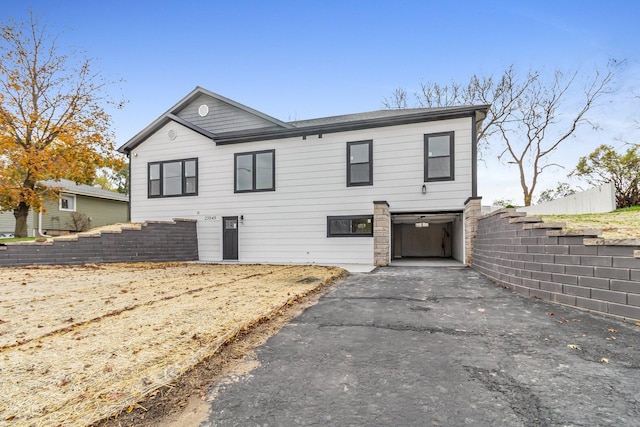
column 525, row 404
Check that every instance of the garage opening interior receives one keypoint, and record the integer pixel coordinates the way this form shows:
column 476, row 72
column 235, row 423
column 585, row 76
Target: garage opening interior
column 427, row 236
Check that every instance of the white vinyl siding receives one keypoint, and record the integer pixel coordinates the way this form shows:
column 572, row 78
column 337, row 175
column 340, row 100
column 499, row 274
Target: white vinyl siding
column 289, row 225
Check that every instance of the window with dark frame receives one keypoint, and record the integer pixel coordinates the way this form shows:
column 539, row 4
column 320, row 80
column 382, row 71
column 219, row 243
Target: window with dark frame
column 359, row 163
column 350, row 226
column 438, row 156
column 255, row 171
column 173, row 178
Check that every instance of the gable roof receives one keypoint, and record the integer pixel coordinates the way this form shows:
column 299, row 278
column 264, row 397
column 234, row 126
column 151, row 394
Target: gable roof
column 319, row 126
column 172, row 115
column 71, row 187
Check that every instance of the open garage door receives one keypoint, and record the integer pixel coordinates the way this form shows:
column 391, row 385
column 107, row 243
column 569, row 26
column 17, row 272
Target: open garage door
column 427, row 235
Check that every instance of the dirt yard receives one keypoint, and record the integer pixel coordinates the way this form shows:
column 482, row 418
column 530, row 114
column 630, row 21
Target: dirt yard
column 80, row 344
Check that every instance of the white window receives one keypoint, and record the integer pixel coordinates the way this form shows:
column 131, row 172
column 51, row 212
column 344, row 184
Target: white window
column 67, row 202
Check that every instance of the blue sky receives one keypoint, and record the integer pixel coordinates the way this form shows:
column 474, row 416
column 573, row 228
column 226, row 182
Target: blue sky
column 305, row 59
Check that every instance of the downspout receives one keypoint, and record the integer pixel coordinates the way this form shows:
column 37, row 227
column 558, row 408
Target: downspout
column 128, row 153
column 40, row 233
column 474, row 155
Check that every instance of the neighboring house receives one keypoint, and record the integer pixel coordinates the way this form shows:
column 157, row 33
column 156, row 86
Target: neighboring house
column 309, row 191
column 78, row 208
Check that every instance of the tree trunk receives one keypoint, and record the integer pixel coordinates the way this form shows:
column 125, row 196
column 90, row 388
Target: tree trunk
column 21, row 213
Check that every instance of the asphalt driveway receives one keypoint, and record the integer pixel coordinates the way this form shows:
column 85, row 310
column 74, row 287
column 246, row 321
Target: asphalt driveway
column 417, row 346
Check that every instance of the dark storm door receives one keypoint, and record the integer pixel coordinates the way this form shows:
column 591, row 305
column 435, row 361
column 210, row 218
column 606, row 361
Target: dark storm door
column 230, row 237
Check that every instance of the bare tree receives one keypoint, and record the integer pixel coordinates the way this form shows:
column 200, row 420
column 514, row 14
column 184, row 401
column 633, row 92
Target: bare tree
column 397, row 100
column 533, row 129
column 500, row 94
column 79, row 222
column 524, row 113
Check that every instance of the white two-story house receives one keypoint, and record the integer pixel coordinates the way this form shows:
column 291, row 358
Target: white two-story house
column 361, row 188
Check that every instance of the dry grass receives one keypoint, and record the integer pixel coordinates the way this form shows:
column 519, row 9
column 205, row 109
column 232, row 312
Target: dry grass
column 79, row 344
column 621, row 224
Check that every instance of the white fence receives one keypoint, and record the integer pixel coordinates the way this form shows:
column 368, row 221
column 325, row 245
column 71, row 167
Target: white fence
column 596, row 200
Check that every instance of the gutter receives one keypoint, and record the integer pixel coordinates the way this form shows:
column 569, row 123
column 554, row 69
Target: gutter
column 263, row 135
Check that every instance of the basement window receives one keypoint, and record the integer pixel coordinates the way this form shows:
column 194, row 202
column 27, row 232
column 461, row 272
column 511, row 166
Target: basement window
column 350, row 226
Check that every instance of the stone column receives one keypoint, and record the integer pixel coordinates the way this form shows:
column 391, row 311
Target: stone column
column 381, row 233
column 472, row 212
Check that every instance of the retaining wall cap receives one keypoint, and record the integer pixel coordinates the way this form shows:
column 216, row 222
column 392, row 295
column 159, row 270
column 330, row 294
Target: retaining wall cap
column 509, row 213
column 494, row 213
column 185, row 220
column 636, row 254
column 536, row 225
column 136, row 226
column 117, row 227
column 89, row 234
column 158, row 222
column 593, row 232
column 612, row 242
column 29, row 243
column 525, row 219
column 69, row 238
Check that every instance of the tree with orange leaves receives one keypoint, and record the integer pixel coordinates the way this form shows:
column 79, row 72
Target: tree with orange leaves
column 53, row 123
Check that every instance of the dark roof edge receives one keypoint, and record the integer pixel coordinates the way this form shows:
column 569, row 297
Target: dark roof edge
column 157, row 124
column 427, row 116
column 191, row 126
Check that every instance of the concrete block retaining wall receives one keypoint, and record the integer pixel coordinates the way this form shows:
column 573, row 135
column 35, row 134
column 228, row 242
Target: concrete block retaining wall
column 151, row 241
column 567, row 267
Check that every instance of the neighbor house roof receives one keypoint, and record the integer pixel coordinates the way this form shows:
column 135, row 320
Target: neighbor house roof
column 71, row 187
column 319, row 126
